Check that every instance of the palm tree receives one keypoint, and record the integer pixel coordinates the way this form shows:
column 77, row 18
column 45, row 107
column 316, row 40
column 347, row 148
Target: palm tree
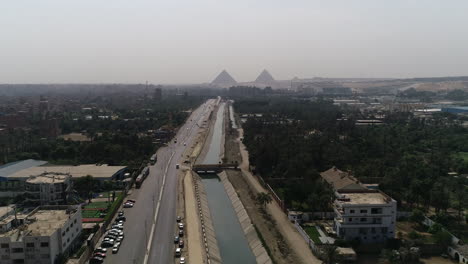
column 330, row 254
column 264, row 199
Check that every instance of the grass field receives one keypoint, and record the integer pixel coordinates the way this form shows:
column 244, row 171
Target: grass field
column 313, row 233
column 97, row 205
column 90, row 213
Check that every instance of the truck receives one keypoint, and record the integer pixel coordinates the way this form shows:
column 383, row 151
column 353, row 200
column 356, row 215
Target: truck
column 141, row 177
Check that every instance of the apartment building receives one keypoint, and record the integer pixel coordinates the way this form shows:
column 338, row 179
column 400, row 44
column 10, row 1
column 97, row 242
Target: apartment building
column 48, row 188
column 366, row 215
column 40, row 236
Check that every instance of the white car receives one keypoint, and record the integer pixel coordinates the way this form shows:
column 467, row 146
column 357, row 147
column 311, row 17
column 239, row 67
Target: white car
column 128, row 205
column 181, row 226
column 182, row 260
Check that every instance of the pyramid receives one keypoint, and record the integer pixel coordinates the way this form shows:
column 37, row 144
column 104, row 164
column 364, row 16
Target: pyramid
column 265, row 77
column 224, row 78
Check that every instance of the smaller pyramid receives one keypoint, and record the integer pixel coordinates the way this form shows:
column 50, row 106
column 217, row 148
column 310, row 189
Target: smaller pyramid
column 265, row 77
column 224, row 78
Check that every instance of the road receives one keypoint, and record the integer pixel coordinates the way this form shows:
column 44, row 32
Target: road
column 151, row 223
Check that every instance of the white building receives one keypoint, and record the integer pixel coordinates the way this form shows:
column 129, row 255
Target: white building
column 40, row 236
column 48, row 188
column 366, row 215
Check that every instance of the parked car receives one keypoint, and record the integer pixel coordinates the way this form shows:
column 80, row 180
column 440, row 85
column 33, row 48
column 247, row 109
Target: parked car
column 119, row 239
column 115, row 249
column 100, row 250
column 128, row 205
column 178, row 252
column 181, row 243
column 121, row 218
column 121, row 213
column 177, row 166
column 179, row 218
column 131, row 201
column 181, row 233
column 176, row 239
column 181, row 226
column 182, row 260
column 101, row 255
column 96, row 260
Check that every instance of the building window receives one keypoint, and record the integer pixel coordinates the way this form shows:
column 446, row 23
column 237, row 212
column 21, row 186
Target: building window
column 384, row 230
column 45, row 256
column 363, row 231
column 63, row 233
column 351, row 211
column 4, row 245
column 75, row 221
column 17, row 250
column 373, row 230
column 29, row 245
column 18, row 261
column 44, row 244
column 376, row 210
column 350, row 219
column 363, row 219
column 363, row 211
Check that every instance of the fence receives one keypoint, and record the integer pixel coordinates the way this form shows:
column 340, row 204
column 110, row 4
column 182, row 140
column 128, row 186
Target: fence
column 315, row 249
column 273, row 193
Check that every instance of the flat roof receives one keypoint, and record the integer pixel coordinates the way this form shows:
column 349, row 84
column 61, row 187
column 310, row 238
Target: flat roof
column 102, row 171
column 14, row 167
column 45, row 223
column 48, row 178
column 5, row 210
column 356, row 198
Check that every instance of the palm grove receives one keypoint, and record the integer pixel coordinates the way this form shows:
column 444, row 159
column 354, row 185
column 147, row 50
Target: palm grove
column 294, row 140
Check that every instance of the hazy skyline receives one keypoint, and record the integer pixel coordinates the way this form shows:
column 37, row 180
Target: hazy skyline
column 182, row 41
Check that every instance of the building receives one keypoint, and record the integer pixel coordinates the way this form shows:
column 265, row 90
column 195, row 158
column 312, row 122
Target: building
column 48, row 189
column 341, row 181
column 13, row 167
column 100, row 172
column 40, row 236
column 367, row 215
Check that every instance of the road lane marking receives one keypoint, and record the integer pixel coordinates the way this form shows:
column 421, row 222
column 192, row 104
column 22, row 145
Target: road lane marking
column 150, row 240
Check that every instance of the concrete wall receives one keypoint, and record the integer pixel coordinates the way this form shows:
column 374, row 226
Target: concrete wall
column 255, row 244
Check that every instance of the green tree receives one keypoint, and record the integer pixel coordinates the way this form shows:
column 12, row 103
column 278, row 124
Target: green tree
column 263, row 199
column 85, row 186
column 330, row 254
column 443, row 238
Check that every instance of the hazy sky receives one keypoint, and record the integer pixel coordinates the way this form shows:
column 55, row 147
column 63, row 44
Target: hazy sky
column 191, row 41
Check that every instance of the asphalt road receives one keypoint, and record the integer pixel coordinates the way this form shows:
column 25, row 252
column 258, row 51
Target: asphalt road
column 140, row 233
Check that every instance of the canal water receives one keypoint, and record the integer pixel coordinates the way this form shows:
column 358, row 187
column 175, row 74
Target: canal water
column 233, row 245
column 231, row 116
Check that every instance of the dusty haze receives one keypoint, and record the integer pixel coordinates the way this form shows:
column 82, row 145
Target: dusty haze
column 93, row 41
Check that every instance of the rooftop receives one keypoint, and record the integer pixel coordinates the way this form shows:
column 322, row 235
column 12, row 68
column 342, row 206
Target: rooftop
column 369, row 197
column 341, row 180
column 5, row 210
column 13, row 167
column 102, row 171
column 40, row 223
column 48, row 178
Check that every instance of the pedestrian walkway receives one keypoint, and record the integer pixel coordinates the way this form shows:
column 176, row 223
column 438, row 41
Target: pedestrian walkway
column 294, row 239
column 195, row 254
column 324, row 238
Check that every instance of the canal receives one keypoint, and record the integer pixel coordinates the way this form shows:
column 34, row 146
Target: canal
column 232, row 243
